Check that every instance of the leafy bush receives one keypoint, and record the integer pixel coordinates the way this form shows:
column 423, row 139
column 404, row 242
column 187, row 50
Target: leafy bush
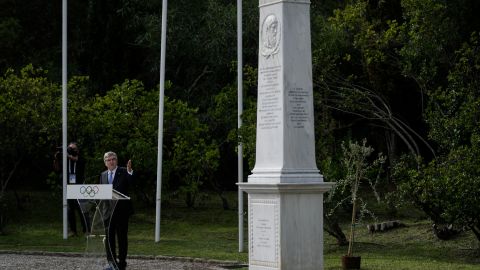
column 448, row 188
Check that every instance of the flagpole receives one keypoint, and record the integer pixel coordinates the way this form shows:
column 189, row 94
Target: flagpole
column 64, row 116
column 240, row 111
column 160, row 120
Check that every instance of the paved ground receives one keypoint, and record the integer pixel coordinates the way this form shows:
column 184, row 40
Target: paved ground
column 60, row 261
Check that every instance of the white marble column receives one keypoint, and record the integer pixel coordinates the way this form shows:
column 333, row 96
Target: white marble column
column 285, row 150
column 285, row 189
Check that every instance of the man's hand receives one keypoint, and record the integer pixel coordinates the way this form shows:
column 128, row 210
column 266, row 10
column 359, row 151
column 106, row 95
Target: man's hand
column 129, row 166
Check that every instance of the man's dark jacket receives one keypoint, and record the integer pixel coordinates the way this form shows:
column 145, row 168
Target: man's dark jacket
column 122, row 182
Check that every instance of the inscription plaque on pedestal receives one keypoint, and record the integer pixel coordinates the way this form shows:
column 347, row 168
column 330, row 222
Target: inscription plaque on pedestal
column 264, row 221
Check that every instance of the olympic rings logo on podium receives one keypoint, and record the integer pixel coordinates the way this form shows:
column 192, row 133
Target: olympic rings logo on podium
column 89, row 191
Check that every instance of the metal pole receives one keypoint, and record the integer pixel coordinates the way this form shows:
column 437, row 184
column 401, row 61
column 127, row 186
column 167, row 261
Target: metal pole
column 64, row 115
column 240, row 111
column 160, row 119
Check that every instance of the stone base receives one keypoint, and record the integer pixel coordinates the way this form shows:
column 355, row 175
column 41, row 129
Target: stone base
column 285, row 225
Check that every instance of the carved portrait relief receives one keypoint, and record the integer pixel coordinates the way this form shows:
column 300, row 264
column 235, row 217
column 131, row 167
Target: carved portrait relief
column 270, row 36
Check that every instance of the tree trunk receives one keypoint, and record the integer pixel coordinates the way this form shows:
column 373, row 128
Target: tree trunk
column 225, row 204
column 333, row 228
column 3, row 216
column 190, row 198
column 476, row 231
column 352, row 228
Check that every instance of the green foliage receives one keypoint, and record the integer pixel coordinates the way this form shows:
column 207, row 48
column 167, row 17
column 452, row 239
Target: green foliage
column 29, row 117
column 429, row 37
column 9, row 34
column 194, row 158
column 114, row 119
column 26, row 102
column 247, row 132
column 448, row 188
column 54, row 183
column 361, row 90
column 199, row 48
column 454, row 110
column 356, row 169
column 125, row 121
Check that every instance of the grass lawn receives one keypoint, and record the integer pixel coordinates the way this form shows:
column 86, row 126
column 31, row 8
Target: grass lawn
column 211, row 233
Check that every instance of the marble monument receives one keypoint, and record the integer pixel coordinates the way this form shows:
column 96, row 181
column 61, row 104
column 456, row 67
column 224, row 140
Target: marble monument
column 285, row 189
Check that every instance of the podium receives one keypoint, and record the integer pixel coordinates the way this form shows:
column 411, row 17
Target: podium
column 97, row 203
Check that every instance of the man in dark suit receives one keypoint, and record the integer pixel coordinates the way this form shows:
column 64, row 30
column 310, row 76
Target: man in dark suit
column 117, row 226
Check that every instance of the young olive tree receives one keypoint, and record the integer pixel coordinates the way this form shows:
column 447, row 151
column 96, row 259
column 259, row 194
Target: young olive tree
column 358, row 169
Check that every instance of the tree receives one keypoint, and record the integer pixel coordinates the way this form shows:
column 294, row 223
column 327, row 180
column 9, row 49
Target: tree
column 124, row 120
column 448, row 188
column 195, row 156
column 357, row 169
column 29, row 118
column 353, row 171
column 27, row 36
column 359, row 76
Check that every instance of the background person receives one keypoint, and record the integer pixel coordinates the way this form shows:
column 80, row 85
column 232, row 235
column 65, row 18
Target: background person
column 117, row 227
column 75, row 175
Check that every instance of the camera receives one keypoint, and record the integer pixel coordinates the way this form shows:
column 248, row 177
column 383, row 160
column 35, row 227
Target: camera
column 72, row 151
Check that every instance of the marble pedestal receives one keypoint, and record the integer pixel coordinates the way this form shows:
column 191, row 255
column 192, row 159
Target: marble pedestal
column 285, row 225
